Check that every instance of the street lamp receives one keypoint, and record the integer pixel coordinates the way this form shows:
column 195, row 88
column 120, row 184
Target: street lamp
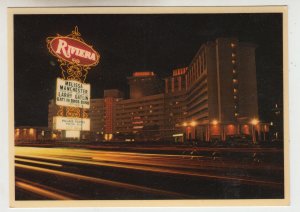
column 214, row 122
column 254, row 122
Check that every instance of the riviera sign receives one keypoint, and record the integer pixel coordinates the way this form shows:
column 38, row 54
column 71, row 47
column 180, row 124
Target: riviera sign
column 73, row 50
column 75, row 58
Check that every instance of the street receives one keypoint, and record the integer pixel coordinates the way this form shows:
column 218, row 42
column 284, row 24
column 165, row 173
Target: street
column 64, row 173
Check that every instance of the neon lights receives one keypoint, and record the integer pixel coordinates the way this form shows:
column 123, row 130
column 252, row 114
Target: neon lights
column 73, row 49
column 143, row 74
column 76, row 58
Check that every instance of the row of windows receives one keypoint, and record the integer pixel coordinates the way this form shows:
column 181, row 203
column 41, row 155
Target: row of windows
column 201, row 88
column 234, row 78
column 175, row 84
column 203, row 107
column 197, row 68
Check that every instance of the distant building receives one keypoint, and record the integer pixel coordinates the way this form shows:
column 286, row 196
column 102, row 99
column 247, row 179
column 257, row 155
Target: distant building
column 111, row 97
column 141, row 116
column 144, row 84
column 175, row 103
column 96, row 115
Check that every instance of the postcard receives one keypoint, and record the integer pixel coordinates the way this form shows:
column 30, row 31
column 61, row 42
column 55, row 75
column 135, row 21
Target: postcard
column 148, row 106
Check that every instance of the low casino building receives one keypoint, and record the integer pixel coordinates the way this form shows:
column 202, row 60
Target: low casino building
column 30, row 134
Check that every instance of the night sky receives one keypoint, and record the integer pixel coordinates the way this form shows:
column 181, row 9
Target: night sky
column 129, row 43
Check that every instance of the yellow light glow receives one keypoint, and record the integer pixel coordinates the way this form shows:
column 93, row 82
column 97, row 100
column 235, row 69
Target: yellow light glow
column 254, row 121
column 215, row 122
column 72, row 134
column 193, row 123
column 184, row 124
column 108, row 137
column 31, row 131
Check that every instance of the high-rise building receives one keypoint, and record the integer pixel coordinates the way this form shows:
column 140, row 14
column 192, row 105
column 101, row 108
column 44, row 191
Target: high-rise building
column 221, row 94
column 142, row 117
column 96, row 115
column 144, row 84
column 111, row 97
column 175, row 105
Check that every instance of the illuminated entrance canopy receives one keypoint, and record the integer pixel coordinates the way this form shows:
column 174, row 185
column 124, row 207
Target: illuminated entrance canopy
column 71, row 93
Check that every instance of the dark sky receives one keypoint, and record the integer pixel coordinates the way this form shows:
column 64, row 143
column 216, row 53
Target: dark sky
column 129, row 43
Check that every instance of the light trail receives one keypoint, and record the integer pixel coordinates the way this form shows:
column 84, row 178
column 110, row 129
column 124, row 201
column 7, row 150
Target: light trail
column 171, row 171
column 151, row 159
column 142, row 162
column 38, row 162
column 41, row 191
column 104, row 181
column 113, row 171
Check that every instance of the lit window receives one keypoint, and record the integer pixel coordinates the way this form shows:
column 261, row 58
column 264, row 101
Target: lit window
column 234, row 71
column 235, row 97
column 234, row 80
column 233, row 45
column 233, row 61
column 234, row 90
column 233, row 55
column 236, row 114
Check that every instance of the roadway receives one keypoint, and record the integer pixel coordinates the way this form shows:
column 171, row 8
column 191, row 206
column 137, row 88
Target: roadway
column 63, row 173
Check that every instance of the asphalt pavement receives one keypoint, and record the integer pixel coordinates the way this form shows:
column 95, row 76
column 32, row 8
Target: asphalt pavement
column 64, row 173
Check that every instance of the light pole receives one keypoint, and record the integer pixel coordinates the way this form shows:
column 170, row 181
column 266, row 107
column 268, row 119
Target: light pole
column 215, row 124
column 254, row 122
column 193, row 125
column 185, row 124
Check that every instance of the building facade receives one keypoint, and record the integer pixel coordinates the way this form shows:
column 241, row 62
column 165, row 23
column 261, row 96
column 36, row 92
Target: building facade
column 144, row 83
column 141, row 117
column 221, row 94
column 213, row 98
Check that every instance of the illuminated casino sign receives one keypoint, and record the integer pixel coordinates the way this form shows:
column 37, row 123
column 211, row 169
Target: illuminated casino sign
column 73, row 50
column 72, row 93
column 75, row 58
column 67, row 123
